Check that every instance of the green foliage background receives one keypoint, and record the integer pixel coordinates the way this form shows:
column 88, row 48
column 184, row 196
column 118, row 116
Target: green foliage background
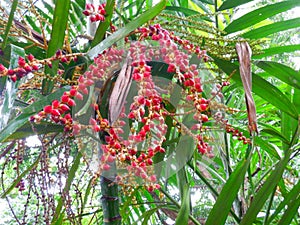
column 241, row 185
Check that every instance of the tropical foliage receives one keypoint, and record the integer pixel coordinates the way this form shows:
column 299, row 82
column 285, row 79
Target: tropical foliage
column 143, row 112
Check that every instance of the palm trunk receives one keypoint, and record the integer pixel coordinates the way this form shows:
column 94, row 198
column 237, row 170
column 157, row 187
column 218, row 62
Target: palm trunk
column 109, row 199
column 110, row 202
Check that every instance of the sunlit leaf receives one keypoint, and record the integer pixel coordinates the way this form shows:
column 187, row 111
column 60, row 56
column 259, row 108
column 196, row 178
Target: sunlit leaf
column 232, row 3
column 59, row 26
column 291, row 196
column 290, row 212
column 266, row 146
column 9, row 22
column 186, row 11
column 272, row 29
column 274, row 133
column 183, row 214
column 31, row 110
column 259, row 15
column 282, row 72
column 29, row 129
column 56, row 42
column 264, row 192
column 262, row 88
column 277, row 50
column 48, row 6
column 296, row 97
column 221, row 208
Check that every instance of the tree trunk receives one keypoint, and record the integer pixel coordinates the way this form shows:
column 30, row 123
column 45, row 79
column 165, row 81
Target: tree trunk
column 110, row 202
column 109, row 199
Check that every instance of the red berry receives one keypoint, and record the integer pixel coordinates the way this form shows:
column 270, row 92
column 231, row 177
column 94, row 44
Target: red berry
column 48, row 109
column 204, row 118
column 30, row 57
column 76, row 129
column 102, row 158
column 95, row 106
column 106, row 167
column 93, row 121
column 28, row 68
column 86, row 12
column 58, row 53
column 132, row 151
column 89, row 82
column 21, row 62
column 65, row 98
column 35, row 67
column 85, row 91
column 198, row 87
column 96, row 128
column 93, row 18
column 79, row 96
column 162, row 150
column 147, row 102
column 146, row 128
column 150, row 152
column 152, row 178
column 149, row 162
column 203, row 101
column 55, row 112
column 64, row 59
column 55, row 104
column 90, row 7
column 137, row 77
column 68, row 116
column 150, row 189
column 10, row 72
column 141, row 100
column 64, row 107
column 2, row 68
column 147, row 74
column 203, row 107
column 102, row 11
column 71, row 102
column 81, row 85
column 131, row 115
column 63, row 121
column 99, row 17
column 142, row 133
column 73, row 92
column 144, row 176
column 21, row 72
column 110, row 159
column 117, row 145
column 13, row 78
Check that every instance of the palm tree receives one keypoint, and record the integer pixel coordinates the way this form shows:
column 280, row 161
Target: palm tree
column 47, row 57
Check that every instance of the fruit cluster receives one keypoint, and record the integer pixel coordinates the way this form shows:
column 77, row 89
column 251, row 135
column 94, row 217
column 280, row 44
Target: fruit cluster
column 219, row 118
column 187, row 74
column 22, row 70
column 146, row 113
column 95, row 13
column 32, row 65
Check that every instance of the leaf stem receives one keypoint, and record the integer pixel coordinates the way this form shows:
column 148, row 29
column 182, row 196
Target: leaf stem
column 211, row 188
column 195, row 221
